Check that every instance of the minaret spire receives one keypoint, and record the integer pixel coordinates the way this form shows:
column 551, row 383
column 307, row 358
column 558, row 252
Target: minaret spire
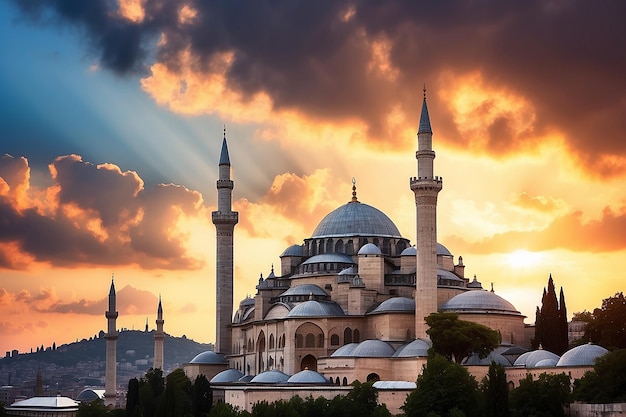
column 159, row 337
column 426, row 187
column 110, row 384
column 224, row 220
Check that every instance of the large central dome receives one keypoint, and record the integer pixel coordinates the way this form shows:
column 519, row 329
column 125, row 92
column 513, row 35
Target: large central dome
column 356, row 219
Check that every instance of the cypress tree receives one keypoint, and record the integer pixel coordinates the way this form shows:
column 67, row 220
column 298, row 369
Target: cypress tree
column 551, row 322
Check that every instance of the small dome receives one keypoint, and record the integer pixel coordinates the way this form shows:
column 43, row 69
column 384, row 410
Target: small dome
column 475, row 284
column 88, row 395
column 313, row 308
column 209, row 358
column 583, row 355
column 246, row 302
column 356, row 219
column 305, row 289
column 245, row 379
column 479, row 301
column 307, row 377
column 270, row 377
column 369, row 249
column 293, row 250
column 227, row 376
column 345, row 350
column 442, row 250
column 475, row 360
column 373, row 348
column 349, row 271
column 448, row 276
column 546, row 363
column 530, row 359
column 329, row 258
column 395, row 305
column 410, row 251
column 415, row 349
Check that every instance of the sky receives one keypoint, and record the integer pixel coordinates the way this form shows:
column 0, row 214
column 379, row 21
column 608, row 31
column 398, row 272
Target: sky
column 113, row 113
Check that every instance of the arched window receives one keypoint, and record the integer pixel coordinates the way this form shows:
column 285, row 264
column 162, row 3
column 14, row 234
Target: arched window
column 271, row 341
column 320, row 247
column 356, row 336
column 299, row 340
column 386, row 247
column 334, row 340
column 349, row 251
column 309, row 341
column 345, row 381
column 339, row 246
column 400, row 247
column 320, row 340
column 329, row 246
column 347, row 336
column 308, row 362
column 373, row 377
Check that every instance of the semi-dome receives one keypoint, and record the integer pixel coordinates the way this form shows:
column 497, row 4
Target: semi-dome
column 227, row 376
column 329, row 258
column 369, row 249
column 478, row 301
column 304, row 289
column 271, row 377
column 307, row 377
column 356, row 219
column 414, row 349
column 209, row 358
column 583, row 355
column 345, row 350
column 89, row 394
column 395, row 305
column 373, row 348
column 293, row 250
column 313, row 308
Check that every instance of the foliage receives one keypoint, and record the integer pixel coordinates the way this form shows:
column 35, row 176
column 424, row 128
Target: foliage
column 132, row 396
column 544, row 397
column 151, row 388
column 177, row 396
column 606, row 383
column 551, row 322
column 608, row 326
column 201, row 396
column 495, row 392
column 94, row 408
column 443, row 389
column 455, row 339
column 222, row 409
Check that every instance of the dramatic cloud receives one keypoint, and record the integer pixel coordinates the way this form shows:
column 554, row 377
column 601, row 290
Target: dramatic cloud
column 568, row 232
column 528, row 72
column 94, row 215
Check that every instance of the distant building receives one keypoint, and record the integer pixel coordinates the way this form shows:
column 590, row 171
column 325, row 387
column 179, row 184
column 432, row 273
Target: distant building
column 43, row 407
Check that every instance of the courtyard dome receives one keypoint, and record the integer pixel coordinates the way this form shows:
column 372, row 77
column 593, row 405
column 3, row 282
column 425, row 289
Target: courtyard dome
column 369, row 249
column 442, row 250
column 314, row 308
column 395, row 305
column 271, row 377
column 416, row 348
column 583, row 355
column 356, row 219
column 373, row 348
column 531, row 359
column 478, row 301
column 546, row 363
column 307, row 377
column 410, row 251
column 227, row 376
column 345, row 350
column 209, row 358
column 329, row 258
column 305, row 289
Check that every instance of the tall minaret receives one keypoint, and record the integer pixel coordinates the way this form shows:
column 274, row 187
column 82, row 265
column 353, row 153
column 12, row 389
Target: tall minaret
column 110, row 387
column 224, row 220
column 426, row 188
column 159, row 337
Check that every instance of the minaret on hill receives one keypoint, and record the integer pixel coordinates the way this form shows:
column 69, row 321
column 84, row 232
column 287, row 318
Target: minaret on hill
column 159, row 337
column 224, row 220
column 110, row 385
column 426, row 188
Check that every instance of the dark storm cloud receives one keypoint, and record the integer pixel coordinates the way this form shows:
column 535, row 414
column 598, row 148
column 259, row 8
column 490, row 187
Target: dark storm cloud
column 564, row 57
column 93, row 215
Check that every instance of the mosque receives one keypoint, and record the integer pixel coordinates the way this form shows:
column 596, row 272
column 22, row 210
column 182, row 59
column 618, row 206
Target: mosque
column 349, row 303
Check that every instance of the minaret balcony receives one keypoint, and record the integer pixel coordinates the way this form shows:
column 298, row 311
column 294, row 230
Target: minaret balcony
column 220, row 217
column 229, row 184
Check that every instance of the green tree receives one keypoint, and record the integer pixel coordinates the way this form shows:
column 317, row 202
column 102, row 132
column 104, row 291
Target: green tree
column 443, row 389
column 132, row 396
column 544, row 397
column 151, row 389
column 455, row 339
column 201, row 396
column 495, row 392
column 177, row 396
column 94, row 408
column 222, row 409
column 606, row 383
column 608, row 326
column 551, row 322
